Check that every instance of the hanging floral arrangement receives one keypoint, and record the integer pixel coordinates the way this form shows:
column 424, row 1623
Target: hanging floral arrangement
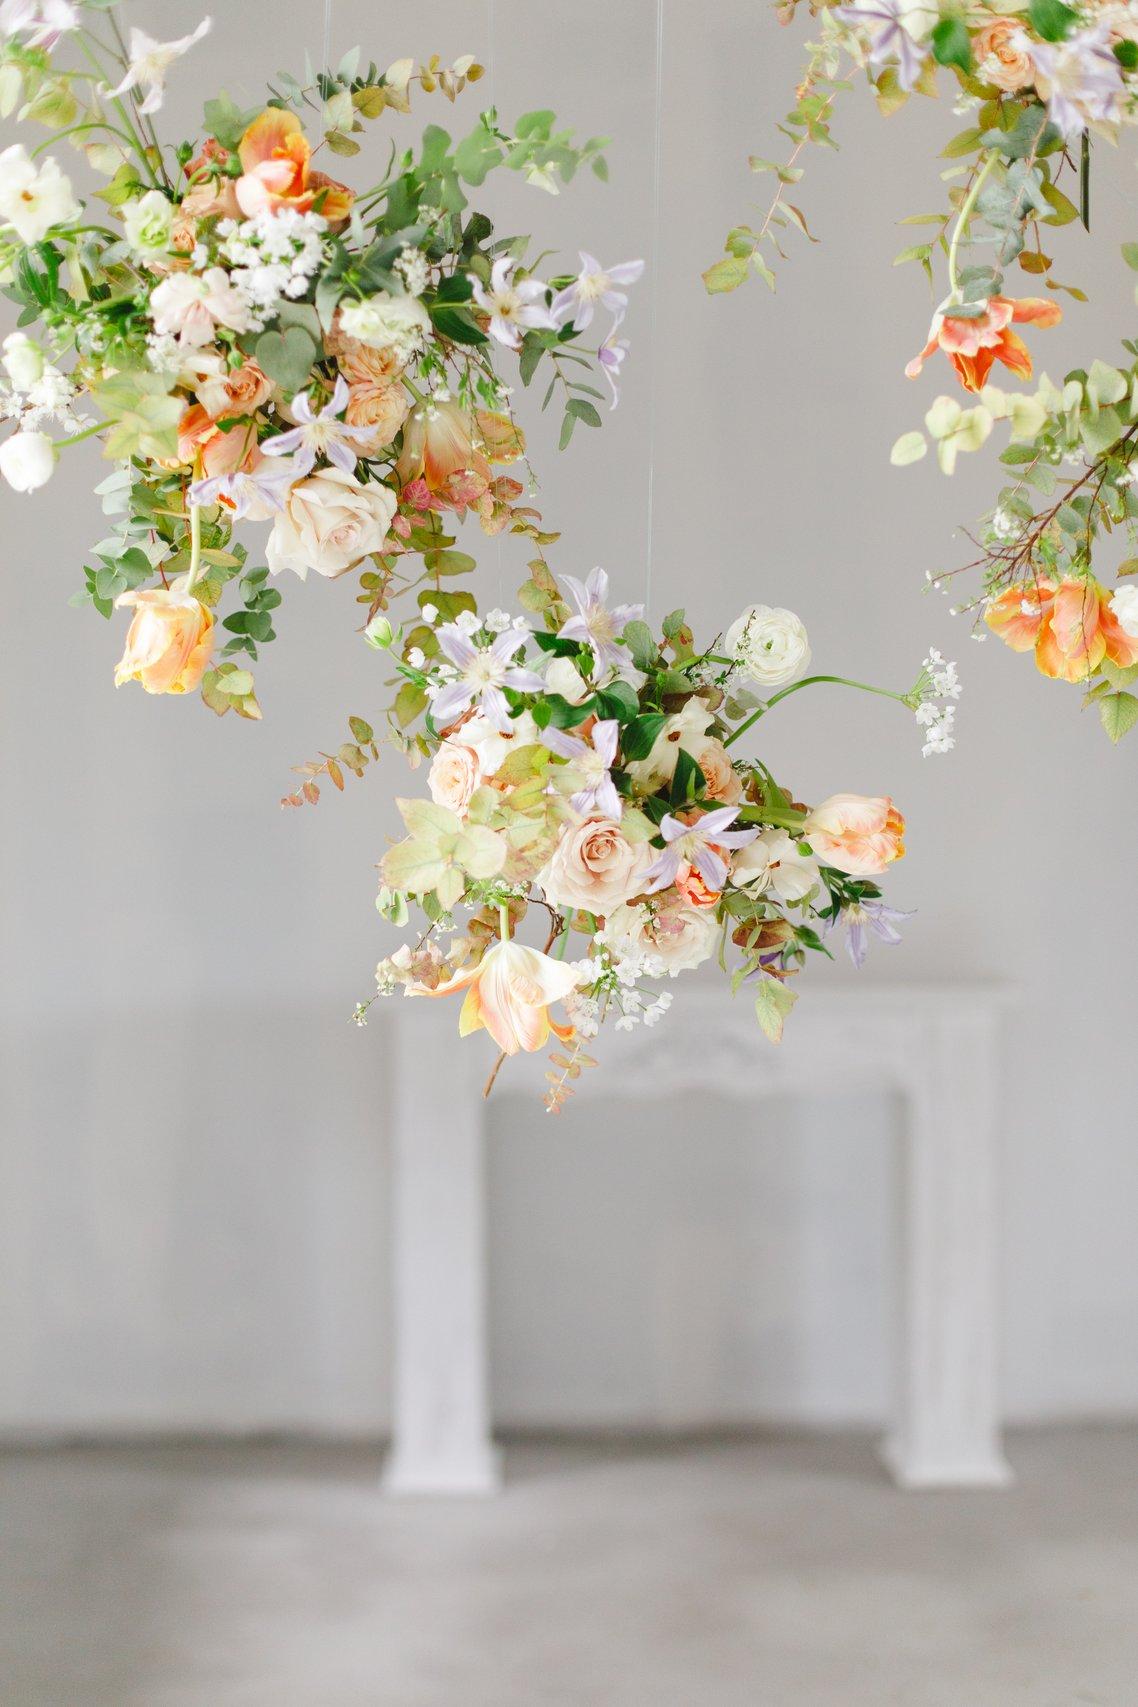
column 1035, row 81
column 586, row 769
column 254, row 340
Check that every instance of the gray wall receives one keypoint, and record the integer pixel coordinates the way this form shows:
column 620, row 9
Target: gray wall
column 193, row 1202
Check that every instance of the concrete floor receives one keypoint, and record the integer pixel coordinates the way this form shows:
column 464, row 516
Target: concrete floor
column 757, row 1573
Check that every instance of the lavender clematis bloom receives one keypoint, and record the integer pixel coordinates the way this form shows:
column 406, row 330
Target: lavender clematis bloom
column 611, row 356
column 595, row 625
column 255, row 495
column 320, row 435
column 594, row 284
column 696, row 844
column 1084, row 77
column 42, row 22
column 872, row 915
column 893, row 41
column 598, row 793
column 483, row 671
column 513, row 305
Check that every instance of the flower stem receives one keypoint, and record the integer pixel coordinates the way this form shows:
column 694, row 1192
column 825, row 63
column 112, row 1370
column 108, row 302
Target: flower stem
column 808, row 681
column 965, row 215
column 504, row 921
column 77, row 438
column 195, row 546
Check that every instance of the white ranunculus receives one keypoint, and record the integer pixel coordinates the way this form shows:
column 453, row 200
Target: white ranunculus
column 686, row 730
column 330, row 523
column 1124, row 604
column 27, row 461
column 562, row 676
column 23, row 360
column 34, row 195
column 769, row 645
column 149, row 221
column 386, row 322
column 774, row 861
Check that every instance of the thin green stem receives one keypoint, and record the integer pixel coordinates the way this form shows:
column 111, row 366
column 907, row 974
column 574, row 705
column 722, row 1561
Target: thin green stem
column 77, row 438
column 809, row 681
column 195, row 546
column 504, row 921
column 965, row 215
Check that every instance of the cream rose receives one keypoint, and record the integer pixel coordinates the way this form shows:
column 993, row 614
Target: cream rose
column 454, row 775
column 768, row 644
column 679, row 935
column 238, row 391
column 330, row 524
column 999, row 53
column 685, row 730
column 595, row 867
column 380, row 408
column 714, row 761
column 562, row 676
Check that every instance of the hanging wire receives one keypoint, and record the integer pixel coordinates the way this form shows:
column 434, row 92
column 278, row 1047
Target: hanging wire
column 653, row 286
column 491, row 57
column 327, row 66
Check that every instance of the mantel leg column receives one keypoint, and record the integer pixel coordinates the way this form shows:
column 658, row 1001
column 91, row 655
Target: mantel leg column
column 947, row 1432
column 441, row 1423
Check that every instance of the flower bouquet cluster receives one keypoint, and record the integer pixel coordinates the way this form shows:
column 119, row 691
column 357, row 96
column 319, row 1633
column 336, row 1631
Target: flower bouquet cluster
column 1035, row 80
column 254, row 340
column 590, row 770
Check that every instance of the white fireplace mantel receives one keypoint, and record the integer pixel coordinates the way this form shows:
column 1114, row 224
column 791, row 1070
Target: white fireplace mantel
column 937, row 1047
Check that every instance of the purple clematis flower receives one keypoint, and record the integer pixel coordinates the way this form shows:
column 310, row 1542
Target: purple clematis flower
column 697, row 844
column 483, row 671
column 892, row 41
column 862, row 915
column 320, row 435
column 611, row 356
column 254, row 495
column 593, row 285
column 1084, row 79
column 598, row 792
column 513, row 306
column 595, row 624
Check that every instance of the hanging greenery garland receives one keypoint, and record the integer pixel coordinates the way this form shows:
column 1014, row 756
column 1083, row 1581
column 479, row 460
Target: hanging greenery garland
column 1035, row 82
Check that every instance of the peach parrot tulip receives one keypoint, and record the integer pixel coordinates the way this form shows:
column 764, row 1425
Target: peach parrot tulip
column 508, row 993
column 973, row 345
column 276, row 171
column 855, row 834
column 169, row 642
column 1068, row 624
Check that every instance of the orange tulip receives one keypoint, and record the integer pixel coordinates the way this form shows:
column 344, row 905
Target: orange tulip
column 508, row 994
column 275, row 159
column 438, row 448
column 1069, row 625
column 169, row 641
column 973, row 345
column 858, row 835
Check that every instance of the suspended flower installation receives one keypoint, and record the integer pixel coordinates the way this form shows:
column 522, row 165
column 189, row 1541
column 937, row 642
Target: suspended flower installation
column 585, row 770
column 1035, row 80
column 255, row 341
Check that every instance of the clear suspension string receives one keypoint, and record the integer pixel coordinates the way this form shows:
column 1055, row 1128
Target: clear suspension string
column 327, row 66
column 653, row 287
column 491, row 59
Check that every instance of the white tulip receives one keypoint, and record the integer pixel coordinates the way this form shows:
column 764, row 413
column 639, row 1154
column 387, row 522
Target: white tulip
column 27, row 461
column 34, row 197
